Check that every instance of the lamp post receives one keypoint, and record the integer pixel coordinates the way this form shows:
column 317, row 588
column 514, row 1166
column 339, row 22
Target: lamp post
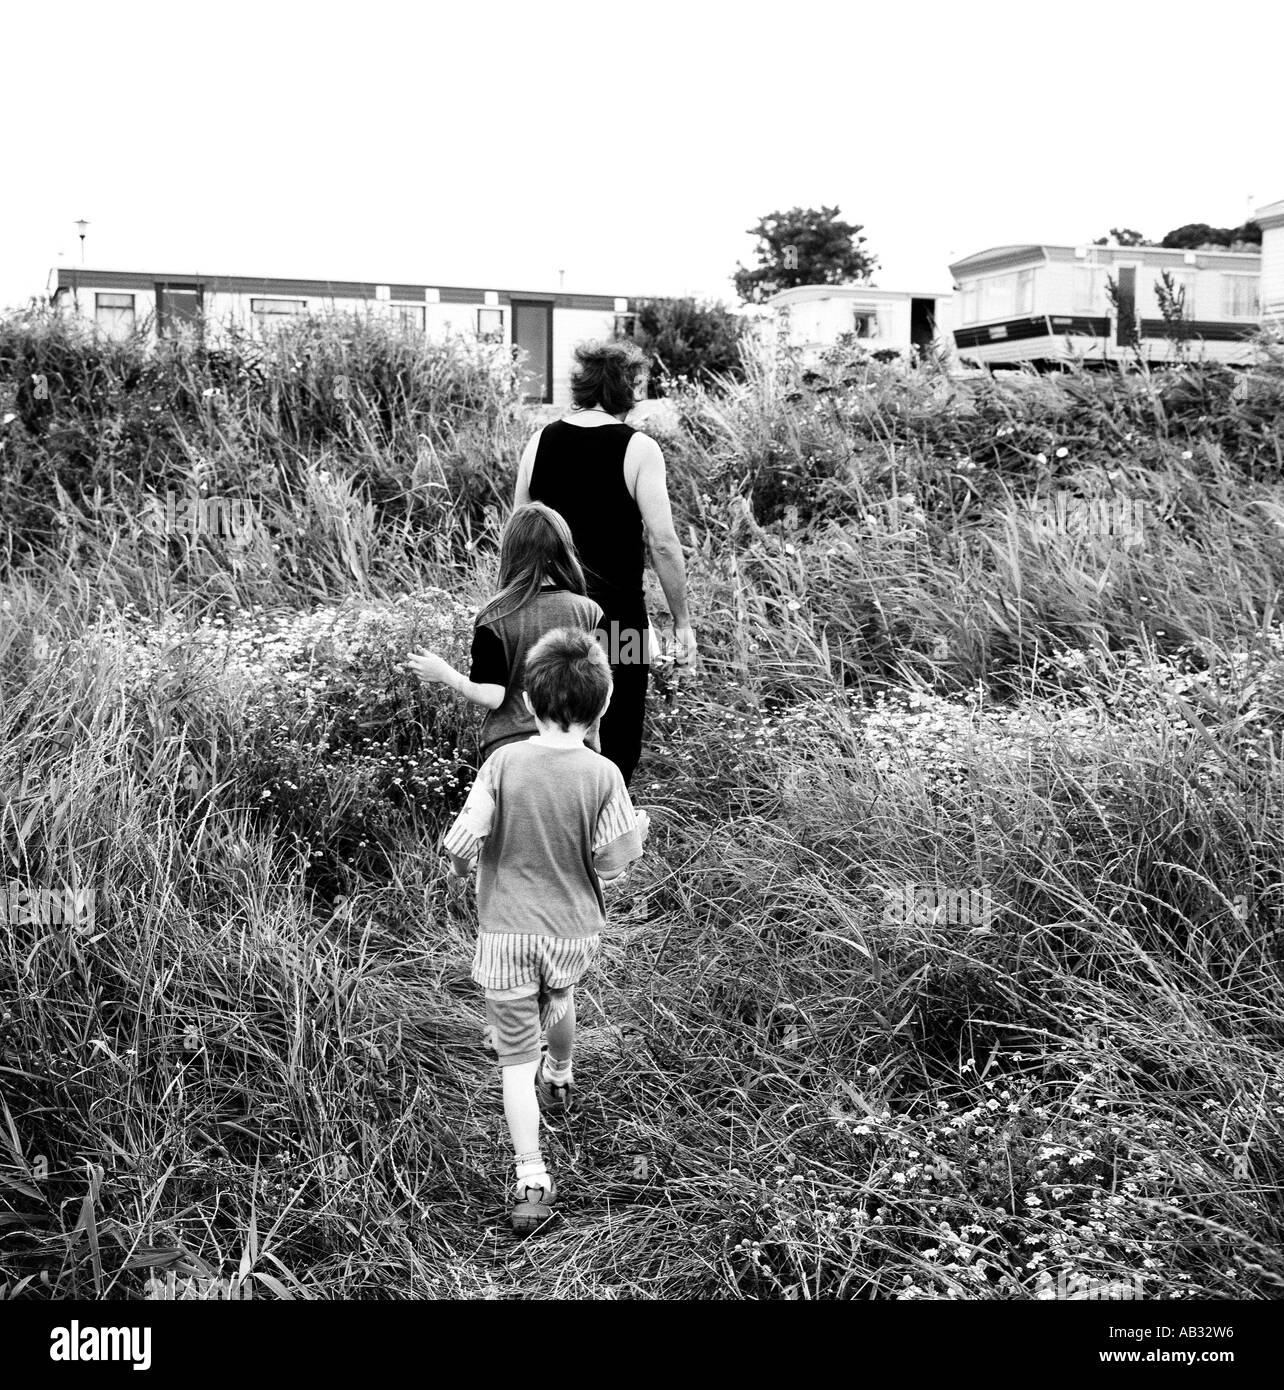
column 75, row 274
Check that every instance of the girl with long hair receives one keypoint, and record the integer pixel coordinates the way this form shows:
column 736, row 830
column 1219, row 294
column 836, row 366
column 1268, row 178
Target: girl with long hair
column 541, row 587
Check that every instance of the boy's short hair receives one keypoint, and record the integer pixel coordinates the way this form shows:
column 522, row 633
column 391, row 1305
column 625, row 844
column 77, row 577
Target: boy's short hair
column 567, row 677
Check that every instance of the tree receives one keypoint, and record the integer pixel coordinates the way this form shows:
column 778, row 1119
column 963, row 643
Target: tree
column 804, row 246
column 687, row 337
column 1192, row 235
column 1123, row 236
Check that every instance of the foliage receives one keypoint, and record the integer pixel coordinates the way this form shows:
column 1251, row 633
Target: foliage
column 1194, row 236
column 804, row 246
column 422, row 426
column 1123, row 236
column 260, row 1062
column 688, row 338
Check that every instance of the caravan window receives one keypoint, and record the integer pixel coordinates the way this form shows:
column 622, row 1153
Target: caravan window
column 1089, row 289
column 998, row 297
column 1240, row 299
column 1184, row 280
column 969, row 302
column 114, row 314
column 1025, row 292
column 178, row 309
column 276, row 311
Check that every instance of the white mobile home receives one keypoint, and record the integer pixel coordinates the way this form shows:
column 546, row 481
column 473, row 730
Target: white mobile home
column 1271, row 220
column 548, row 325
column 1043, row 303
column 814, row 317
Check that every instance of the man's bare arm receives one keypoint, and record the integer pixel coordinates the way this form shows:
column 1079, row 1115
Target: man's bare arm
column 652, row 495
column 522, row 492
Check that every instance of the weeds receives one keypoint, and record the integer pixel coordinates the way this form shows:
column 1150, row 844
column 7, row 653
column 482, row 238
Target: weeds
column 255, row 1070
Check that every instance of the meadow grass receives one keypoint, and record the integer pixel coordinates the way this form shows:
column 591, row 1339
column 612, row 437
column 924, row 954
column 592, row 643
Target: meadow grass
column 257, row 1065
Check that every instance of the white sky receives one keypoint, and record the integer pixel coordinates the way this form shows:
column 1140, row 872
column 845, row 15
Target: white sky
column 630, row 145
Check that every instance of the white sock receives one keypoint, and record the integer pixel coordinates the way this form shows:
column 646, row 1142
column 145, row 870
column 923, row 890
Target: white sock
column 531, row 1172
column 559, row 1073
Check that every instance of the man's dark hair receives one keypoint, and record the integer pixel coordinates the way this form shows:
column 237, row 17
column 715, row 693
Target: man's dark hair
column 567, row 677
column 606, row 375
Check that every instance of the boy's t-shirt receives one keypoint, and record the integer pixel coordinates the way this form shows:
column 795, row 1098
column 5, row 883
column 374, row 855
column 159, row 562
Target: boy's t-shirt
column 500, row 648
column 544, row 821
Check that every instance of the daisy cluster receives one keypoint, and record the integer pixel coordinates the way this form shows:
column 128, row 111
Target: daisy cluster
column 333, row 737
column 985, row 1196
column 255, row 652
column 946, row 739
column 1137, row 698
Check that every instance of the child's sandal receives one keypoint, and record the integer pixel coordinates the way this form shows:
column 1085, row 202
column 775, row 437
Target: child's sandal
column 557, row 1095
column 533, row 1209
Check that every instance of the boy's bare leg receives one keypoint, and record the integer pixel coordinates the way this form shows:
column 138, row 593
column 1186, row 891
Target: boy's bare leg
column 561, row 1041
column 515, row 1016
column 521, row 1108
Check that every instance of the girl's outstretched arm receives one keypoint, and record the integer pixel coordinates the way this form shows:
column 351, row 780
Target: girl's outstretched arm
column 432, row 669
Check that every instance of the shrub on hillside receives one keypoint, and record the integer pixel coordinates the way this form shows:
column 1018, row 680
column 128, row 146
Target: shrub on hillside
column 309, row 720
column 688, row 338
column 816, row 442
column 423, row 426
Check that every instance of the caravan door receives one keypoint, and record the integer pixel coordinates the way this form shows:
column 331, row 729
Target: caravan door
column 533, row 332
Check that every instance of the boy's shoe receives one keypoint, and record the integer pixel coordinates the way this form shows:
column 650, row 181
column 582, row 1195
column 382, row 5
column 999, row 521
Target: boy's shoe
column 533, row 1206
column 556, row 1095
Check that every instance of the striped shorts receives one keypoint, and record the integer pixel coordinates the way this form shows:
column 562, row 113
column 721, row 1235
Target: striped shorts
column 529, row 981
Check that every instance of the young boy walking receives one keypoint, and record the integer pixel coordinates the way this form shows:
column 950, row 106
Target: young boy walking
column 546, row 822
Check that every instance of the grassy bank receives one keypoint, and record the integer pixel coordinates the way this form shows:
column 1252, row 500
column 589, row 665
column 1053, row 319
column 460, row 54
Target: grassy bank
column 259, row 1060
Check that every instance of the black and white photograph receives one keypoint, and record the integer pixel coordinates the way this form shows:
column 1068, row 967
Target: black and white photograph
column 641, row 661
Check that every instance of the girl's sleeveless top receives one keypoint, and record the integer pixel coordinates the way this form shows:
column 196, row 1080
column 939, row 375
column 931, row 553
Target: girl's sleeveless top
column 500, row 646
column 579, row 472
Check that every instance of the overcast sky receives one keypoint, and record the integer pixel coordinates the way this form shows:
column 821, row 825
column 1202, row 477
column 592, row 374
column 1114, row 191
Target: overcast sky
column 628, row 145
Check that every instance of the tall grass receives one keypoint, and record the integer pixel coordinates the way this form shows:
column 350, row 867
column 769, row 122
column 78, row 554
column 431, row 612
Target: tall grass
column 259, row 1061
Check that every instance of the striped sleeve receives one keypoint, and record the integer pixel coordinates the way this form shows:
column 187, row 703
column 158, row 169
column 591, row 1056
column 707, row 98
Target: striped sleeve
column 616, row 838
column 463, row 840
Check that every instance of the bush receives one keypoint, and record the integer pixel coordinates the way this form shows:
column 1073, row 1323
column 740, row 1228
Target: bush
column 1195, row 236
column 424, row 428
column 688, row 339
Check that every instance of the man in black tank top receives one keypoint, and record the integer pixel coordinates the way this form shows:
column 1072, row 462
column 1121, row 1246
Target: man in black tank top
column 607, row 481
column 579, row 472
